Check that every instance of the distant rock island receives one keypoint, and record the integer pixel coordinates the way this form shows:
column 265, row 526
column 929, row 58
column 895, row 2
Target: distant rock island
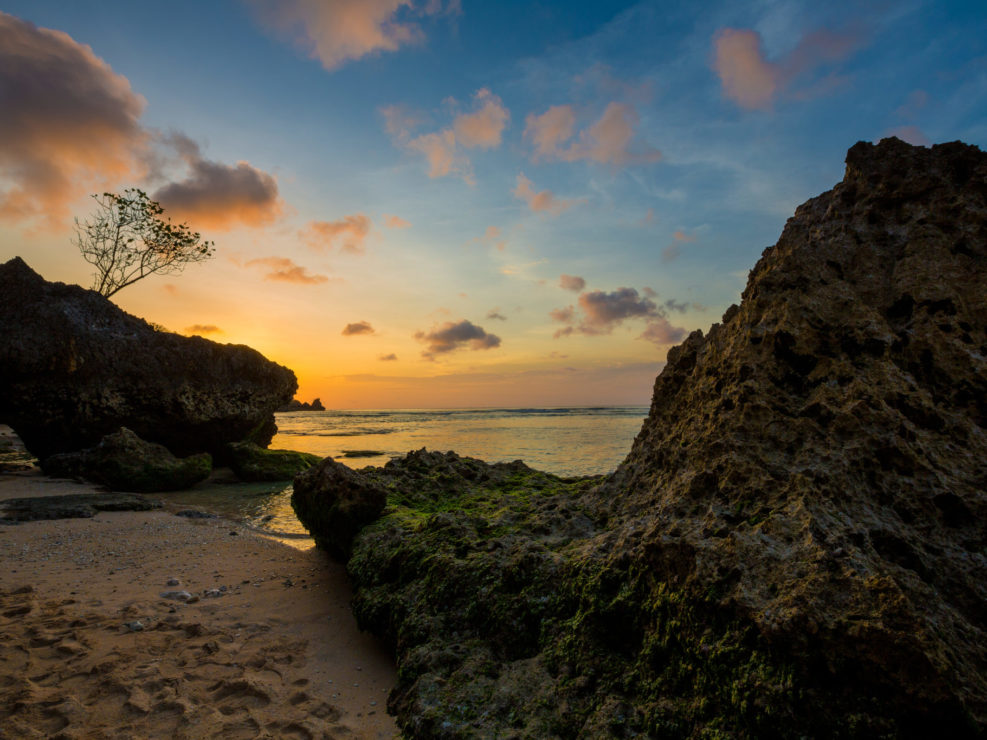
column 75, row 368
column 295, row 405
column 796, row 544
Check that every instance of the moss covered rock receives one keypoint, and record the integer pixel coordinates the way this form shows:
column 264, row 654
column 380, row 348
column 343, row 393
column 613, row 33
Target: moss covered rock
column 334, row 503
column 123, row 461
column 251, row 462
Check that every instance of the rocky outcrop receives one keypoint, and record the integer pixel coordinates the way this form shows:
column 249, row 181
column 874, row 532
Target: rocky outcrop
column 253, row 463
column 295, row 405
column 122, row 461
column 74, row 368
column 796, row 544
column 335, row 503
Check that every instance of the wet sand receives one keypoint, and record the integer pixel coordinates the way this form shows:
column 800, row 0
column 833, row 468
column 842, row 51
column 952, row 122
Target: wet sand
column 89, row 647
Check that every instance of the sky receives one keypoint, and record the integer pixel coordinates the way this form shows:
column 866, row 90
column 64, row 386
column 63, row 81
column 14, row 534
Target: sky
column 461, row 203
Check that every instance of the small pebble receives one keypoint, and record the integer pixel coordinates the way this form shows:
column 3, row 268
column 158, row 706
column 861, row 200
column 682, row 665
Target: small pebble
column 134, row 626
column 173, row 582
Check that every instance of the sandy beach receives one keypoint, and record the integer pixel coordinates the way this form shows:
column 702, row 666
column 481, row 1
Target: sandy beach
column 89, row 648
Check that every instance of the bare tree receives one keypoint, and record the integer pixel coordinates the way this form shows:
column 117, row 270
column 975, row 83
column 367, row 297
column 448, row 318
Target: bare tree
column 126, row 239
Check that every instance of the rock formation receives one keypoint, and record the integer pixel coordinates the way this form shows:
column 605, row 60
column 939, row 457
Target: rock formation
column 253, row 463
column 295, row 405
column 74, row 368
column 796, row 544
column 122, row 461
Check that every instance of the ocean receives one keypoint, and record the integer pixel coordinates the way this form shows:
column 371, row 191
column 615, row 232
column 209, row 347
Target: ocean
column 564, row 441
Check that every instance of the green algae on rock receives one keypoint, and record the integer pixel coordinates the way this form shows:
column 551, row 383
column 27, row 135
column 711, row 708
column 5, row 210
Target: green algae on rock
column 251, row 462
column 123, row 461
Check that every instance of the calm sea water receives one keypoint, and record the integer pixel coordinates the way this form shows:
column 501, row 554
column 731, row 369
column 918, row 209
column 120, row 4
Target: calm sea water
column 564, row 441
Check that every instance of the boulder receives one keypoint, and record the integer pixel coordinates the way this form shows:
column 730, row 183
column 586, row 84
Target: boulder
column 795, row 543
column 334, row 503
column 295, row 405
column 123, row 461
column 72, row 506
column 74, row 368
column 251, row 462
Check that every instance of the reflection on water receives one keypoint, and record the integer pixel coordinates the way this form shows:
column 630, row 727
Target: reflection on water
column 564, row 441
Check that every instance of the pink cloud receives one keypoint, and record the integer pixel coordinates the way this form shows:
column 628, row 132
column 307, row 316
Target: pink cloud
column 753, row 82
column 543, row 201
column 202, row 329
column 660, row 332
column 571, row 282
column 395, row 222
column 358, row 328
column 611, row 140
column 349, row 233
column 69, row 123
column 284, row 270
column 344, row 30
column 912, row 134
column 455, row 335
column 440, row 152
column 483, row 128
column 681, row 236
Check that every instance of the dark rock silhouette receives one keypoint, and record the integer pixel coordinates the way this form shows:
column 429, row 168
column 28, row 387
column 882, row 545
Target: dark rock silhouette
column 74, row 368
column 72, row 506
column 795, row 544
column 122, row 461
column 295, row 405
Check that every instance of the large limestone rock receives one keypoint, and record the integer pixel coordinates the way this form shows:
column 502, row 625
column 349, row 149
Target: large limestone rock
column 74, row 368
column 796, row 545
column 251, row 462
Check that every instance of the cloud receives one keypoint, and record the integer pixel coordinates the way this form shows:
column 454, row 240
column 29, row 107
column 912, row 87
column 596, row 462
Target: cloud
column 543, row 201
column 216, row 195
column 681, row 236
column 495, row 313
column 344, row 30
column 482, row 129
column 388, row 357
column 283, row 270
column 455, row 335
column 600, row 313
column 444, row 150
column 69, row 123
column 916, row 101
column 661, row 332
column 202, row 329
column 671, row 253
column 349, row 233
column 911, row 134
column 571, row 282
column 360, row 327
column 549, row 131
column 395, row 222
column 753, row 82
column 611, row 140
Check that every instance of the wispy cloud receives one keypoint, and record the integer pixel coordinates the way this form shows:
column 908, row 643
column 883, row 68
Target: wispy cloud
column 349, row 233
column 543, row 201
column 495, row 313
column 284, row 270
column 344, row 30
column 202, row 329
column 571, row 282
column 611, row 140
column 451, row 336
column 753, row 82
column 390, row 357
column 395, row 222
column 445, row 149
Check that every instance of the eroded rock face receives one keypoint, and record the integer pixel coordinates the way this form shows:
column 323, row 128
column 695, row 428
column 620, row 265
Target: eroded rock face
column 796, row 544
column 122, row 461
column 74, row 368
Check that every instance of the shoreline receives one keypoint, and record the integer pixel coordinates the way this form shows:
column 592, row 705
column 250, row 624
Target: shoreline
column 267, row 644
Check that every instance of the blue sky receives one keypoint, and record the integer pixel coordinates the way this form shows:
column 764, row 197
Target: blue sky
column 424, row 173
